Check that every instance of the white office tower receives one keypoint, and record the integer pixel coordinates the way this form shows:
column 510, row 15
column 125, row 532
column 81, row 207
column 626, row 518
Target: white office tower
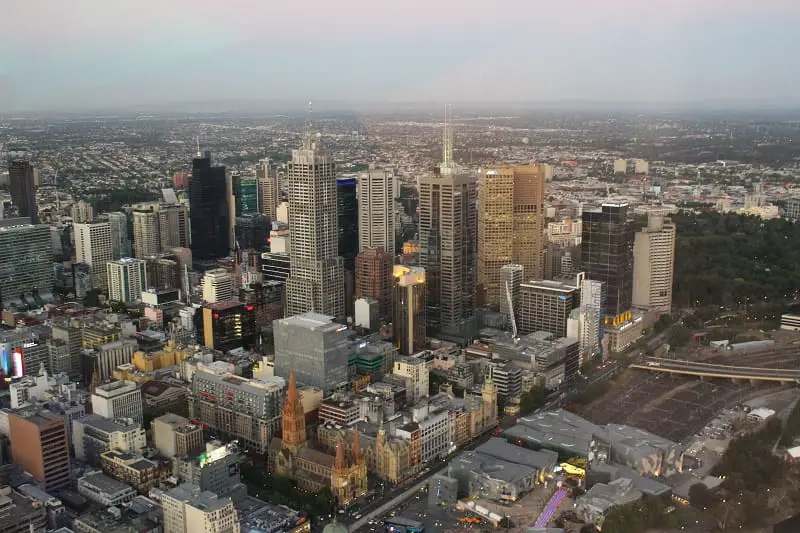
column 127, row 278
column 118, row 399
column 376, row 210
column 654, row 265
column 145, row 234
column 316, row 274
column 81, row 212
column 120, row 243
column 93, row 247
column 218, row 286
column 173, row 226
column 187, row 509
column 267, row 176
column 590, row 328
column 620, row 166
column 282, row 212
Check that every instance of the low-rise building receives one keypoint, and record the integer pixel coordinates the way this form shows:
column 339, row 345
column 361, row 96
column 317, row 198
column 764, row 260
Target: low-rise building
column 594, row 506
column 92, row 435
column 135, row 470
column 104, row 490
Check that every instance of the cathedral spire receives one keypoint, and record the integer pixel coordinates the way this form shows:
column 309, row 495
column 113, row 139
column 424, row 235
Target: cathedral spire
column 340, row 463
column 356, row 447
column 291, row 390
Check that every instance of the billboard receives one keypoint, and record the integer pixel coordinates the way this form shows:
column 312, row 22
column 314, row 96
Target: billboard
column 19, row 363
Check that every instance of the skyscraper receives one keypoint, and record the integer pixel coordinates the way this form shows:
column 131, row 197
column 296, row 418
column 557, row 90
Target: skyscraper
column 120, row 244
column 26, row 260
column 347, row 212
column 376, row 210
column 607, row 256
column 654, row 265
column 173, row 226
column 23, row 188
column 373, row 278
column 246, row 194
column 511, row 223
column 545, row 305
column 93, row 247
column 127, row 278
column 209, row 211
column 316, row 279
column 40, row 446
column 409, row 293
column 447, row 241
column 146, row 234
column 269, row 193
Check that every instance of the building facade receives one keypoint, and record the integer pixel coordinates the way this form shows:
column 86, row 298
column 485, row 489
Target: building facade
column 127, row 278
column 22, row 185
column 146, row 234
column 209, row 210
column 409, row 292
column 654, row 265
column 26, row 261
column 93, row 247
column 545, row 305
column 39, row 444
column 374, row 278
column 376, row 210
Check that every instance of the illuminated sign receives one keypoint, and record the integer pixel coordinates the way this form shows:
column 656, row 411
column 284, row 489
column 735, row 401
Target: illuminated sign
column 215, row 455
column 29, row 345
column 19, row 364
column 4, row 361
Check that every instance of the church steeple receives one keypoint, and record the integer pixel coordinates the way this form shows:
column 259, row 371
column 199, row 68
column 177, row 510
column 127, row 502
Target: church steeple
column 340, row 463
column 356, row 448
column 293, row 417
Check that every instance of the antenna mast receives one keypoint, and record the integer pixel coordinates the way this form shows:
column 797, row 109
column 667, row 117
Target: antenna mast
column 308, row 143
column 447, row 141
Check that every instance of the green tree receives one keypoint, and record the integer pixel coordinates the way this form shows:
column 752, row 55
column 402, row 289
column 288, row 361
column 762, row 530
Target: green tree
column 678, row 335
column 531, row 400
column 92, row 298
column 700, row 496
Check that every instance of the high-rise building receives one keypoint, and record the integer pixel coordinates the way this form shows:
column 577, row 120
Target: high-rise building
column 316, row 280
column 267, row 177
column 316, row 348
column 409, row 308
column 252, row 232
column 39, row 445
column 174, row 435
column 118, row 399
column 226, row 325
column 511, row 224
column 376, row 210
column 209, row 210
column 163, row 273
column 188, row 509
column 347, row 211
column 545, row 306
column 246, row 195
column 373, row 278
column 511, row 277
column 127, row 278
column 81, row 212
column 620, row 166
column 447, row 231
column 146, row 235
column 173, row 226
column 23, row 188
column 120, row 243
column 93, row 247
column 607, row 256
column 26, row 260
column 654, row 265
column 591, row 318
column 217, row 286
column 640, row 166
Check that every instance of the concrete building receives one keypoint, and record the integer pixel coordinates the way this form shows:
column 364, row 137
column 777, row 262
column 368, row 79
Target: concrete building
column 102, row 358
column 545, row 305
column 188, row 509
column 316, row 348
column 640, row 166
column 146, row 234
column 415, row 373
column 137, row 471
column 22, row 184
column 81, row 212
column 104, row 490
column 127, row 278
column 600, row 499
column 118, row 399
column 620, row 166
column 269, row 191
column 237, row 407
column 39, row 444
column 511, row 222
column 173, row 226
column 93, row 434
column 227, row 325
column 376, row 210
column 26, row 260
column 93, row 247
column 654, row 265
column 174, row 435
column 374, row 278
column 218, row 286
column 792, row 209
column 21, row 513
column 316, row 279
column 120, row 243
column 409, row 308
column 215, row 469
column 511, row 277
column 591, row 318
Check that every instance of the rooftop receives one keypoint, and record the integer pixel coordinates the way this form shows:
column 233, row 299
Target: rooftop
column 312, row 321
column 102, row 483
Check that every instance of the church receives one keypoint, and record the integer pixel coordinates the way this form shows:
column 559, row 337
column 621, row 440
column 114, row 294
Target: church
column 292, row 456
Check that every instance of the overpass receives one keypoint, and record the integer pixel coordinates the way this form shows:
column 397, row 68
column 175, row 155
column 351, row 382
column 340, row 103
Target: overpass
column 709, row 370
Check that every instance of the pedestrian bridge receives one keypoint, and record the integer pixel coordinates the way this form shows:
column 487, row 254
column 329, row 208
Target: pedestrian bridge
column 708, row 370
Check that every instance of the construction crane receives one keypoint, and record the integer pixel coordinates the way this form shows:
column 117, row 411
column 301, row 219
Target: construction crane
column 511, row 313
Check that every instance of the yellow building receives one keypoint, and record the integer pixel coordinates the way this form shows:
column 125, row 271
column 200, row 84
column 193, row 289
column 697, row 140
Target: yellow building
column 169, row 356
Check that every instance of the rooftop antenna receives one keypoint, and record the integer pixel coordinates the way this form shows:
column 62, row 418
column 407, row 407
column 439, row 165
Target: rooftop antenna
column 447, row 141
column 197, row 141
column 308, row 143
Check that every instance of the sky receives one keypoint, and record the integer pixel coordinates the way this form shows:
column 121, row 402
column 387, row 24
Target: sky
column 90, row 54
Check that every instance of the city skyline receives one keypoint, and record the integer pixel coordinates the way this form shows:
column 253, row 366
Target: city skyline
column 143, row 54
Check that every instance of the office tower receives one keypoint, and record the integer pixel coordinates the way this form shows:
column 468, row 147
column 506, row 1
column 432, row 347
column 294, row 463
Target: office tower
column 218, row 286
column 607, row 256
column 511, row 223
column 640, row 166
column 511, row 277
column 146, row 235
column 347, row 209
column 252, row 232
column 226, row 325
column 447, row 231
column 316, row 348
column 118, row 399
column 373, row 278
column 620, row 166
column 409, row 292
column 417, row 377
column 545, row 306
column 26, row 261
column 23, row 188
column 654, row 265
column 120, row 244
column 163, row 273
column 316, row 280
column 376, row 210
column 245, row 192
column 81, row 212
column 591, row 318
column 173, row 226
column 210, row 217
column 267, row 177
column 127, row 278
column 188, row 509
column 40, row 446
column 174, row 435
column 93, row 247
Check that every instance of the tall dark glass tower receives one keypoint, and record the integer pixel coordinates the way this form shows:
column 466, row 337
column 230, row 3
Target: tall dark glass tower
column 23, row 188
column 209, row 211
column 607, row 255
column 246, row 192
column 347, row 208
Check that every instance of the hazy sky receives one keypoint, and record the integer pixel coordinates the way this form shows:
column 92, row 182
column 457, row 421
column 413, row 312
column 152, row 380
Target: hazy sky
column 78, row 54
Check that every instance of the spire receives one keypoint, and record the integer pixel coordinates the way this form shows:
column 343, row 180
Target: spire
column 307, row 143
column 356, row 447
column 291, row 390
column 339, row 462
column 447, row 141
